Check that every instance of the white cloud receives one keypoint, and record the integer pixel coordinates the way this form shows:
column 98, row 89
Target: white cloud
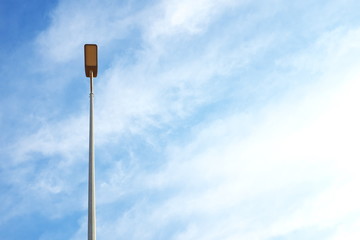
column 186, row 16
column 147, row 93
column 261, row 174
column 228, row 175
column 76, row 23
column 248, row 174
column 132, row 100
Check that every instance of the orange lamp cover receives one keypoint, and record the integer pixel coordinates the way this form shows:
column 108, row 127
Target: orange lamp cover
column 91, row 59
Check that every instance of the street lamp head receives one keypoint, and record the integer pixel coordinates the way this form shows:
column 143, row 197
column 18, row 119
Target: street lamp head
column 91, row 59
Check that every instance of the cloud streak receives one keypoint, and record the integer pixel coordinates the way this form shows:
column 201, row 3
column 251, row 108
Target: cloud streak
column 219, row 126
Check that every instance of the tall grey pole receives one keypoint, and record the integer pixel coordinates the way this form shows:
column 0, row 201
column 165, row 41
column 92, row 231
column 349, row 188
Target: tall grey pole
column 91, row 197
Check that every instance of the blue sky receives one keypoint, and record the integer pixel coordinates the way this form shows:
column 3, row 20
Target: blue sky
column 214, row 119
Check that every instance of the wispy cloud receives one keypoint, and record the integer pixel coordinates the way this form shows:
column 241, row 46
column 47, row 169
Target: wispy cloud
column 219, row 126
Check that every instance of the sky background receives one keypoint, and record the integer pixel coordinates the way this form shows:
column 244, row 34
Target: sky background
column 214, row 119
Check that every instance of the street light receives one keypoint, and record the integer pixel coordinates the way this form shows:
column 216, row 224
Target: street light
column 91, row 66
column 91, row 60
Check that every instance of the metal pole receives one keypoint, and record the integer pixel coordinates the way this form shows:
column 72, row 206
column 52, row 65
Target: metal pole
column 91, row 197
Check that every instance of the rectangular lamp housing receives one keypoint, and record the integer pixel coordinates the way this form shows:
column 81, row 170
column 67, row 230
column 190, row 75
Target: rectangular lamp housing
column 91, row 59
